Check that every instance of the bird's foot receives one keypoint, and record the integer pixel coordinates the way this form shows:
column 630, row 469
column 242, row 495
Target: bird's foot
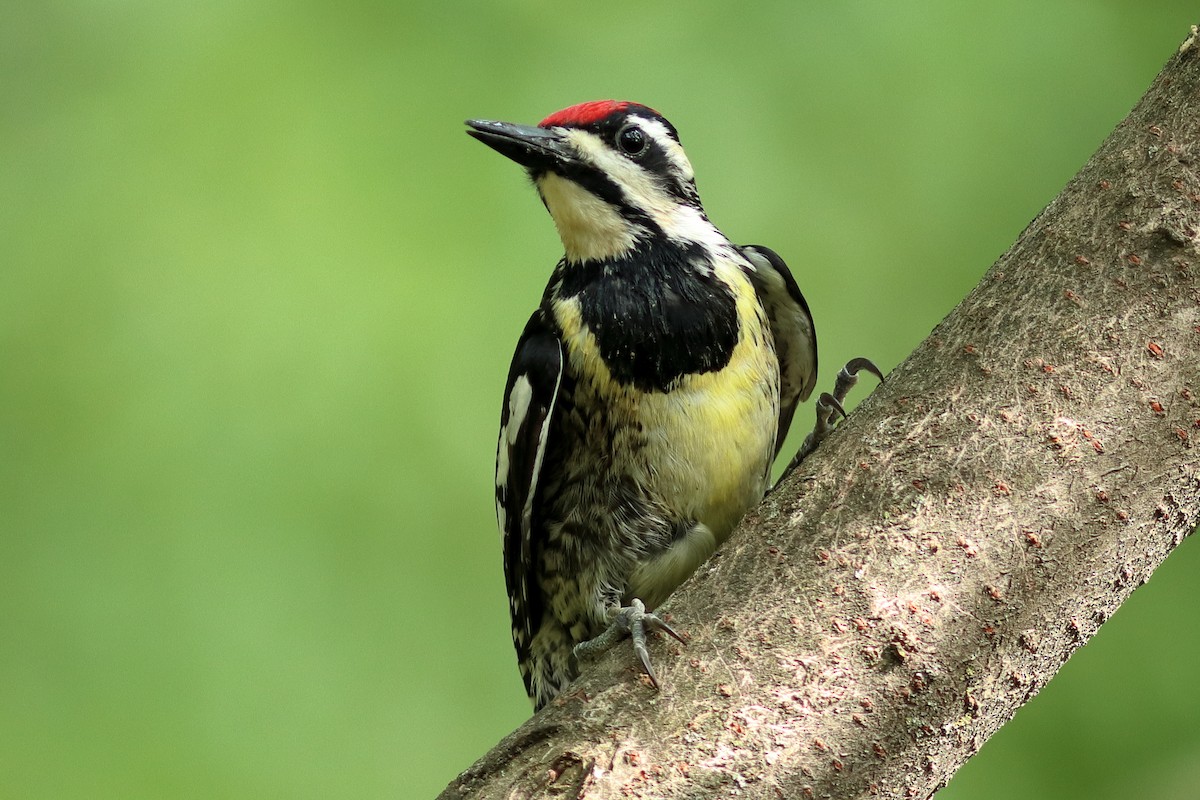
column 635, row 621
column 829, row 406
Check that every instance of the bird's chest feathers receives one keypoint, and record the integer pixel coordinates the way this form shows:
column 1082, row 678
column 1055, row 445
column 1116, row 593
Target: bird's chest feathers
column 689, row 379
column 652, row 322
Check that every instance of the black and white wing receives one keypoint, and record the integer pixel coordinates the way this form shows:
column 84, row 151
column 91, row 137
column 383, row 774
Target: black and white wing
column 792, row 328
column 529, row 403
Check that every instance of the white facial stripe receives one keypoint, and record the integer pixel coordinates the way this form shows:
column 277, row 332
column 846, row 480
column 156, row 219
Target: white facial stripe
column 677, row 220
column 639, row 185
column 659, row 133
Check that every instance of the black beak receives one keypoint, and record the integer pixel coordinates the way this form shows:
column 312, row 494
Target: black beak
column 536, row 149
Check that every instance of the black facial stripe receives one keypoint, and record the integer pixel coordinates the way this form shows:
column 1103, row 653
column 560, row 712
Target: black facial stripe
column 601, row 185
column 654, row 159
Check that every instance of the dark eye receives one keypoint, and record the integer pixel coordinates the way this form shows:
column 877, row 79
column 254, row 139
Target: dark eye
column 631, row 140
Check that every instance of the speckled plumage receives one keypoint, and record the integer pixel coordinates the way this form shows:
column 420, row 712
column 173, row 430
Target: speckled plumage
column 646, row 401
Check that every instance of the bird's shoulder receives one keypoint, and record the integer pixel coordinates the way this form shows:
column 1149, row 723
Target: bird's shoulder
column 791, row 326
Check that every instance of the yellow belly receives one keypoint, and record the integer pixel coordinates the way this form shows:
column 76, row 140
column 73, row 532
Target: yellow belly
column 700, row 451
column 710, row 440
column 706, row 445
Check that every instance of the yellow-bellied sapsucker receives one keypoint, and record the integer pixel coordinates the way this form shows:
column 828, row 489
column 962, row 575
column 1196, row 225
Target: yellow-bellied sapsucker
column 649, row 393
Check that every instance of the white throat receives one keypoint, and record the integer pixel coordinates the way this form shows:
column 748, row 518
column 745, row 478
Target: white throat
column 590, row 228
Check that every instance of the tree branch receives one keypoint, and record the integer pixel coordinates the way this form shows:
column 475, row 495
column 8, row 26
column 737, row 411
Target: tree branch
column 893, row 603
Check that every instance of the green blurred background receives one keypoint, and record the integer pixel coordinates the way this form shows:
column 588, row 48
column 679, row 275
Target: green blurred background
column 258, row 293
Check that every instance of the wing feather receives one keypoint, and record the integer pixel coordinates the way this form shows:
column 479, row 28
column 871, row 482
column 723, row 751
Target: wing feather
column 525, row 421
column 791, row 327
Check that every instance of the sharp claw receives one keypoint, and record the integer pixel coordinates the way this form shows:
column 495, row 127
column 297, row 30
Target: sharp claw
column 829, row 402
column 635, row 621
column 639, row 647
column 829, row 406
column 657, row 624
column 857, row 365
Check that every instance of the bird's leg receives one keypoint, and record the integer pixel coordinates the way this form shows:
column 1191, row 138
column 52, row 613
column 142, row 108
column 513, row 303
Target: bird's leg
column 829, row 407
column 634, row 620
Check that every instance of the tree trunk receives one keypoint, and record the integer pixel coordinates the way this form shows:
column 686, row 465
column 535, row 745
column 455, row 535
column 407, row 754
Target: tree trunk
column 941, row 555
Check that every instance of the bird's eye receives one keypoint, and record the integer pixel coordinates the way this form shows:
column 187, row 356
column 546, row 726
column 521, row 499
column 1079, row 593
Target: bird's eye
column 631, row 140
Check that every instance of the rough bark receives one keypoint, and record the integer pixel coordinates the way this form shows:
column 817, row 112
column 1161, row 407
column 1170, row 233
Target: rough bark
column 893, row 603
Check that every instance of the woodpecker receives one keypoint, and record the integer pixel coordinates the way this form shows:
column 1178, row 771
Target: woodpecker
column 649, row 393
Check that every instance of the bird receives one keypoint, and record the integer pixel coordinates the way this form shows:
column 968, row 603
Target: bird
column 649, row 392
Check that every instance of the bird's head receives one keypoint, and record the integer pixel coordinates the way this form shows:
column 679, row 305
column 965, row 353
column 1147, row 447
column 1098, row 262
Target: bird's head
column 611, row 173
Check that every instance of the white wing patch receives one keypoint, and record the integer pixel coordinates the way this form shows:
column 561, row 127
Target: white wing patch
column 529, row 409
column 518, row 407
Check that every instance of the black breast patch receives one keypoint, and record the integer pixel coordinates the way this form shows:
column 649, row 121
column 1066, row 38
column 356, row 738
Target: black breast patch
column 655, row 316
